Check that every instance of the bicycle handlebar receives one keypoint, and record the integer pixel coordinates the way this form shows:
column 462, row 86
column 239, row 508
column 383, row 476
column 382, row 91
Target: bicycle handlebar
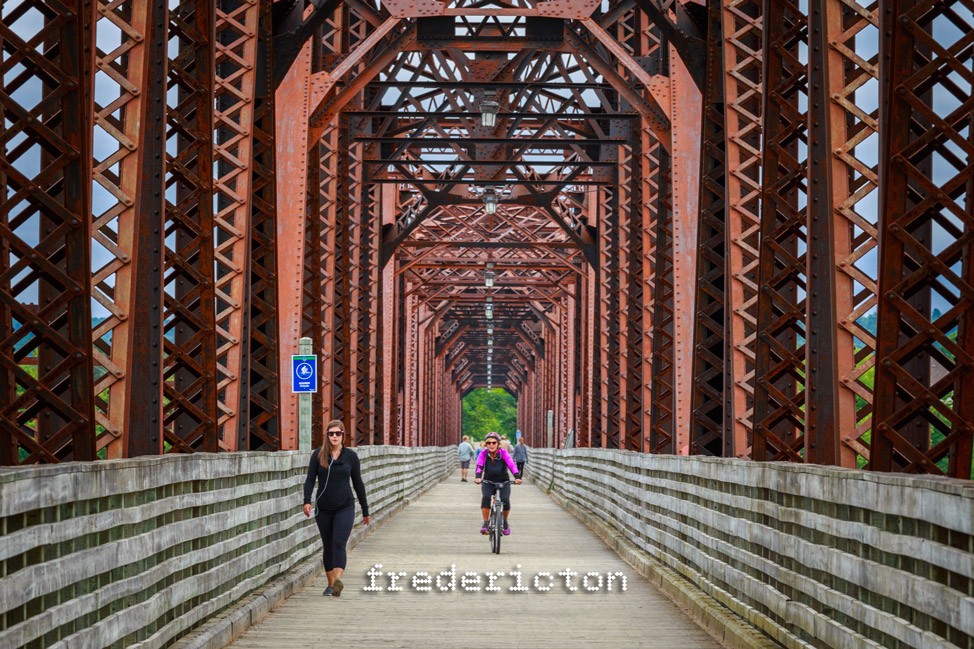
column 498, row 484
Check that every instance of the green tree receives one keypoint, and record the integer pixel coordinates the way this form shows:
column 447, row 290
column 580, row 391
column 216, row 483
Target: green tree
column 489, row 410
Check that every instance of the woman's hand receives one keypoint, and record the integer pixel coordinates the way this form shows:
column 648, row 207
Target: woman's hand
column 307, row 510
column 365, row 520
column 477, row 480
column 518, row 481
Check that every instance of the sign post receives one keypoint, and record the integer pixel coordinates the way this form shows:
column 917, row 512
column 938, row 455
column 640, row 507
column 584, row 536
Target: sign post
column 304, row 381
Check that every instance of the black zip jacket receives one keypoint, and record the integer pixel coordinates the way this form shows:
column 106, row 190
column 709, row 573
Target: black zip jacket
column 334, row 493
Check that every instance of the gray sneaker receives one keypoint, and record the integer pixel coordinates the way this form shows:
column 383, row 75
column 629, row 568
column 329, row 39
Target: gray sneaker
column 328, row 591
column 338, row 588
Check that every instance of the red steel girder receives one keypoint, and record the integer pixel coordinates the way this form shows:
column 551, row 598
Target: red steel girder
column 780, row 392
column 128, row 343
column 710, row 430
column 259, row 421
column 189, row 302
column 923, row 421
column 742, row 24
column 235, row 96
column 46, row 415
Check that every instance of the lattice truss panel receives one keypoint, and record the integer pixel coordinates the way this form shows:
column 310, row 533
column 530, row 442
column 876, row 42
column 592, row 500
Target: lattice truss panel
column 779, row 416
column 164, row 161
column 711, row 380
column 46, row 377
column 742, row 24
column 923, row 411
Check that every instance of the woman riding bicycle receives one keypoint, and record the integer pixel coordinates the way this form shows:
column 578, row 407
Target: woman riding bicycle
column 492, row 466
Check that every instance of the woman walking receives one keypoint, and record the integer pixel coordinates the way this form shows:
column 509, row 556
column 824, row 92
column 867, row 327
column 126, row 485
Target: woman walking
column 520, row 455
column 335, row 466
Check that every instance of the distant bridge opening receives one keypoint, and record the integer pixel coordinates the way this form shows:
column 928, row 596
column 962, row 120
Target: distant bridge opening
column 490, row 410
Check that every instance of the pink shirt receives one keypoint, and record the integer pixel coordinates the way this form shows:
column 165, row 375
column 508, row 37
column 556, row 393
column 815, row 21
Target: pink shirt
column 504, row 456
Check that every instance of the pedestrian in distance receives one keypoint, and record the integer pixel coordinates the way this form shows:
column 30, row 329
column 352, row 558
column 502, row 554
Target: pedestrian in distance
column 493, row 465
column 465, row 453
column 520, row 455
column 337, row 470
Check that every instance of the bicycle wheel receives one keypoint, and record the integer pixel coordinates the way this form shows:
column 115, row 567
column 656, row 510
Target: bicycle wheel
column 495, row 539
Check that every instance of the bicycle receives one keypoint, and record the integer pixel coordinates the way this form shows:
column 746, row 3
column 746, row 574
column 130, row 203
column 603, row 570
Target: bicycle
column 495, row 520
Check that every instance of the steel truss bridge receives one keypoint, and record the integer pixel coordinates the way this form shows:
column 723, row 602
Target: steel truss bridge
column 739, row 228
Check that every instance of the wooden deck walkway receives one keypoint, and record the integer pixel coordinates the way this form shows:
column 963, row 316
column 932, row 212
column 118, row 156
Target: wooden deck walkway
column 441, row 530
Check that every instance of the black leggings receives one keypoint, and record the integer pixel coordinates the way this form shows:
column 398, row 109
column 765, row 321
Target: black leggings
column 335, row 528
column 487, row 489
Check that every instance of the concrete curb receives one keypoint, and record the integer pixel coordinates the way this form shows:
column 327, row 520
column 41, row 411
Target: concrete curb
column 229, row 625
column 720, row 622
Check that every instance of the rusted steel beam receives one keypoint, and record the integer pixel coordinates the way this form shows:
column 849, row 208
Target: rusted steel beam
column 711, row 380
column 45, row 234
column 780, row 391
column 923, row 421
column 327, row 101
column 315, row 301
column 686, row 116
column 831, row 409
column 291, row 150
column 191, row 413
column 651, row 111
column 389, row 316
column 235, row 95
column 684, row 30
column 293, row 30
column 341, row 405
column 367, row 288
column 576, row 9
column 742, row 24
column 634, row 289
column 543, row 142
column 131, row 354
column 856, row 241
column 259, row 421
column 323, row 259
column 662, row 433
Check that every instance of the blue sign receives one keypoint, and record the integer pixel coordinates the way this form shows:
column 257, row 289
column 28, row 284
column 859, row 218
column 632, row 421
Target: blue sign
column 304, row 374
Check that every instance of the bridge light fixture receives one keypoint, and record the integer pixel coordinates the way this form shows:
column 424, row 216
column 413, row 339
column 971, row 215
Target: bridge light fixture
column 489, row 273
column 488, row 109
column 490, row 200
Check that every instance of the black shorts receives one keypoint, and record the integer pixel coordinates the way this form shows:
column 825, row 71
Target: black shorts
column 464, row 464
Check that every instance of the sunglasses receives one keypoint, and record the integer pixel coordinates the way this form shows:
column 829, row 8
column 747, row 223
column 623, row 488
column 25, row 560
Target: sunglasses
column 335, row 433
column 490, row 443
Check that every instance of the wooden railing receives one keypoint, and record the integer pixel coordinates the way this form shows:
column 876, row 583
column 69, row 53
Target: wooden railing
column 813, row 556
column 140, row 552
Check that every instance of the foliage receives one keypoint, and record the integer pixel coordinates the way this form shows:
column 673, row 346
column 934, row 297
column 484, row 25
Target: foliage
column 489, row 410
